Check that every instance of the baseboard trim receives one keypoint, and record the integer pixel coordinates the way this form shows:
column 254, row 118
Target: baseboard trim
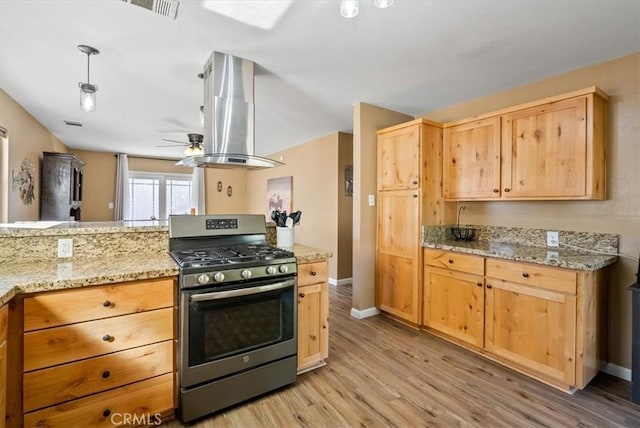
column 343, row 281
column 615, row 370
column 365, row 313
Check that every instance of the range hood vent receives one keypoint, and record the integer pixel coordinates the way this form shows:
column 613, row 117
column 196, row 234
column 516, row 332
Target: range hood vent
column 228, row 116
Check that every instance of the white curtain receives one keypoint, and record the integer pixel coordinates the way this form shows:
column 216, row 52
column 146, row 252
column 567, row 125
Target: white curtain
column 197, row 190
column 122, row 204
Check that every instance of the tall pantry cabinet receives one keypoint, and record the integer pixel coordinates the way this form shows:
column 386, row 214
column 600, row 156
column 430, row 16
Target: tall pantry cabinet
column 409, row 195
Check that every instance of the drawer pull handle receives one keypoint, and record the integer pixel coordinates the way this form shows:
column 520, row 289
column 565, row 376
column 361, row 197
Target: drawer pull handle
column 525, row 275
column 106, row 412
column 450, row 260
column 106, row 303
column 506, row 189
column 314, row 273
column 301, row 295
column 496, row 190
column 479, row 284
column 105, row 374
column 107, row 338
column 489, row 286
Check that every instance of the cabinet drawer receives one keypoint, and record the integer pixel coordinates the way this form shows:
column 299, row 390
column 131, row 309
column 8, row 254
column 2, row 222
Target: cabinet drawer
column 145, row 400
column 454, row 261
column 60, row 345
column 312, row 273
column 55, row 385
column 562, row 280
column 55, row 308
column 4, row 322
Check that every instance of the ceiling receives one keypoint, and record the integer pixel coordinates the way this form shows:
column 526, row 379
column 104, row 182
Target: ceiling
column 311, row 67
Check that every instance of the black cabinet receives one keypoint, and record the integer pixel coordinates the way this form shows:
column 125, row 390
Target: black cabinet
column 61, row 182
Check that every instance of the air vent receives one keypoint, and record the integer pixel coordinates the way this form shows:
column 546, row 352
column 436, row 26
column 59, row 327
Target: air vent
column 168, row 8
column 72, row 123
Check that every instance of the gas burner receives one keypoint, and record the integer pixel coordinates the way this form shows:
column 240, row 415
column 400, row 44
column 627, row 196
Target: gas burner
column 215, row 256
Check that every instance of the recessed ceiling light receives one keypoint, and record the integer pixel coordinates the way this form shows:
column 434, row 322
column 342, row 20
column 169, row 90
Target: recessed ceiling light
column 72, row 123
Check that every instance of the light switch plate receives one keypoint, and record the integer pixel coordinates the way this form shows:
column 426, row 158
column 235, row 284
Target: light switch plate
column 372, row 200
column 553, row 239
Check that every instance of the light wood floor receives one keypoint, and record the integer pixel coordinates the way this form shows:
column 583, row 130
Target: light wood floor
column 382, row 374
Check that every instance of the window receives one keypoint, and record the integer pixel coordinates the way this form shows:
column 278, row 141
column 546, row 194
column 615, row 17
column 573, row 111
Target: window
column 155, row 196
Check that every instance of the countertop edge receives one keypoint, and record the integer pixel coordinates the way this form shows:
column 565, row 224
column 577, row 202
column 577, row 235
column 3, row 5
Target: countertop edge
column 580, row 262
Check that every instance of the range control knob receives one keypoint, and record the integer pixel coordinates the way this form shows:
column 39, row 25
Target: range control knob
column 272, row 270
column 203, row 279
column 246, row 274
column 283, row 268
column 218, row 277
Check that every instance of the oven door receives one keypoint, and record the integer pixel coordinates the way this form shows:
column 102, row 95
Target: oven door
column 230, row 329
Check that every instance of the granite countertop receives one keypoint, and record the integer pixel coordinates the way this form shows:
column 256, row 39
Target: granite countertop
column 58, row 274
column 558, row 257
column 47, row 228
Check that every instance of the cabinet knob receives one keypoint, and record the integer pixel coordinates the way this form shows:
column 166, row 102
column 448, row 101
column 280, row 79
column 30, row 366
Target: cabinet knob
column 415, row 182
column 106, row 303
column 496, row 190
column 415, row 196
column 450, row 260
column 313, row 337
column 105, row 374
column 525, row 275
column 479, row 284
column 107, row 338
column 506, row 189
column 314, row 273
column 301, row 295
column 106, row 412
column 489, row 286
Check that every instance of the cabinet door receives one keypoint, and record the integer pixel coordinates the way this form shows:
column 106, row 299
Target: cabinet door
column 398, row 267
column 532, row 327
column 454, row 304
column 313, row 331
column 399, row 159
column 3, row 382
column 544, row 151
column 472, row 160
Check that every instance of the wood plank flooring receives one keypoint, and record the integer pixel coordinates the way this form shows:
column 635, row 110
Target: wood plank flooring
column 383, row 374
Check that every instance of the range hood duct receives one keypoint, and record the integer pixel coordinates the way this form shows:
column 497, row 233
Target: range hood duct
column 228, row 116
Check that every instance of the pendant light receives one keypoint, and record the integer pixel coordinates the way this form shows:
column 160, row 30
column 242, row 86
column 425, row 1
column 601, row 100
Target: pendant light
column 87, row 90
column 350, row 8
column 383, row 4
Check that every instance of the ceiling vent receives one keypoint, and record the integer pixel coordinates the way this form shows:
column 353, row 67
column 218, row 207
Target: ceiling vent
column 168, row 8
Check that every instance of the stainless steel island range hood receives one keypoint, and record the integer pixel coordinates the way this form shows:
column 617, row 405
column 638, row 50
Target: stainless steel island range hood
column 228, row 116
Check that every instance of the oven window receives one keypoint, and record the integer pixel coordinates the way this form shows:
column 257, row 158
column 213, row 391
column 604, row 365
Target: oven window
column 224, row 327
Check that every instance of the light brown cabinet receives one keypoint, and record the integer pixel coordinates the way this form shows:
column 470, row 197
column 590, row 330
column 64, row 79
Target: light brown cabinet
column 102, row 351
column 548, row 149
column 549, row 323
column 4, row 316
column 409, row 195
column 313, row 315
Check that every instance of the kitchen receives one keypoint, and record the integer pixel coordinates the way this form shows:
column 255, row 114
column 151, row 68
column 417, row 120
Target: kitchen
column 617, row 214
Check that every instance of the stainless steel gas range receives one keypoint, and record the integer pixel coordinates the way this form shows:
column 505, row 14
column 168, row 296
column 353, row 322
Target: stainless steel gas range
column 237, row 312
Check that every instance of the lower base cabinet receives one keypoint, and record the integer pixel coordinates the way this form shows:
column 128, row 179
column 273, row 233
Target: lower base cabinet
column 549, row 323
column 313, row 315
column 100, row 356
column 4, row 316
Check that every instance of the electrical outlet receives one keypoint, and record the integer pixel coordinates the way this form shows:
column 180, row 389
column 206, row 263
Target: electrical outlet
column 65, row 247
column 372, row 200
column 553, row 239
column 110, row 205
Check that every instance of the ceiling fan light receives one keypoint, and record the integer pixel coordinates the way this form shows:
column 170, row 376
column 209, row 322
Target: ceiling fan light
column 349, row 8
column 382, row 4
column 88, row 96
column 194, row 150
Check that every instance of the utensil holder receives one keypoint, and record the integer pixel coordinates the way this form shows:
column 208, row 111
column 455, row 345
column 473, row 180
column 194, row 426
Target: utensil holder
column 285, row 236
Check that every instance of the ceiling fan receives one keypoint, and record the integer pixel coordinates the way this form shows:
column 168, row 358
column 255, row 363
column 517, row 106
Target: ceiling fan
column 193, row 147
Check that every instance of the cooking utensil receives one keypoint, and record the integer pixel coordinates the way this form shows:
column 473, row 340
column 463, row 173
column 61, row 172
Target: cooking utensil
column 274, row 216
column 295, row 216
column 282, row 218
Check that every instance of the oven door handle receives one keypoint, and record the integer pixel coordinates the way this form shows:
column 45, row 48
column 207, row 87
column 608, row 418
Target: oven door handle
column 242, row 292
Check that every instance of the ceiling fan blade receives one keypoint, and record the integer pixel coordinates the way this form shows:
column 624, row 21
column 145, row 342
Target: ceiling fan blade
column 175, row 141
column 172, row 145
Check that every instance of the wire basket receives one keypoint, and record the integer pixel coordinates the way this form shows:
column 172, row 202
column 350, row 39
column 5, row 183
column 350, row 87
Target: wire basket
column 463, row 233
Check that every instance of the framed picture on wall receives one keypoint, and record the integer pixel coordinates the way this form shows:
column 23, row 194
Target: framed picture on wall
column 279, row 195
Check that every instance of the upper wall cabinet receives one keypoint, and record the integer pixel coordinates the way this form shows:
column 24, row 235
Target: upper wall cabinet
column 549, row 149
column 398, row 159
